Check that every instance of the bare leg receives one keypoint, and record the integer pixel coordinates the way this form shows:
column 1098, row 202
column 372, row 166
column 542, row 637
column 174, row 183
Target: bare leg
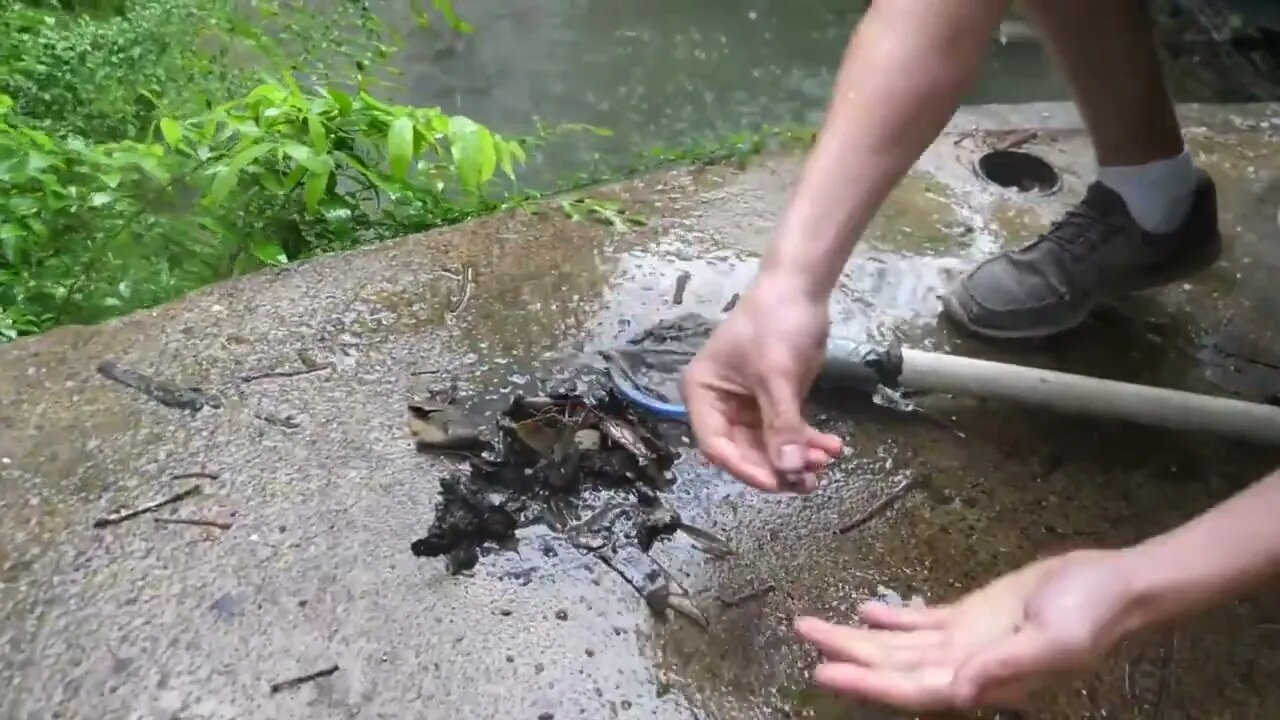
column 1106, row 49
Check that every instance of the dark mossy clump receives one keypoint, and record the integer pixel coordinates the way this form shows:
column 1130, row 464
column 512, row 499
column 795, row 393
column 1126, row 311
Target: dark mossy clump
column 576, row 460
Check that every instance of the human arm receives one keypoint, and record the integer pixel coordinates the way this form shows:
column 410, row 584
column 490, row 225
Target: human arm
column 905, row 70
column 1212, row 559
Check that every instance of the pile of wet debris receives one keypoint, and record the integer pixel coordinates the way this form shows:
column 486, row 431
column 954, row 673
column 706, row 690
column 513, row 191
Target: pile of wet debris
column 578, row 460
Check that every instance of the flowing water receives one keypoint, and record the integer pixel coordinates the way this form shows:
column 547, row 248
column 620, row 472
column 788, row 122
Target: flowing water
column 659, row 73
column 671, row 72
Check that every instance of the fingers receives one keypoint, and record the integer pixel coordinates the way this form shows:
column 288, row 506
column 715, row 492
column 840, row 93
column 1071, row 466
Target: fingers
column 709, row 420
column 786, row 434
column 890, row 617
column 1026, row 658
column 921, row 689
column 728, row 431
column 885, row 649
column 830, row 445
column 751, row 468
column 816, row 459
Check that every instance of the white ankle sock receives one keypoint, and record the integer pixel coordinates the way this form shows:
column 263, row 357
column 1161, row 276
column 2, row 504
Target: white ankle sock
column 1158, row 193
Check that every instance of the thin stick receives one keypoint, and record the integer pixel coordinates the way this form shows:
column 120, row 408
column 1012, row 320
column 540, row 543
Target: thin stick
column 193, row 521
column 152, row 507
column 682, row 283
column 197, row 475
column 883, row 504
column 747, row 596
column 286, row 373
column 302, row 679
column 466, row 291
column 1016, row 141
column 288, row 422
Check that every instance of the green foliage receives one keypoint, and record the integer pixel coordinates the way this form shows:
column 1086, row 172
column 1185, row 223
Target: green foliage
column 91, row 229
column 606, row 212
column 138, row 161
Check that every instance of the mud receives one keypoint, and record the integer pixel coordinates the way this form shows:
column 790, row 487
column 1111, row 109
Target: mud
column 141, row 619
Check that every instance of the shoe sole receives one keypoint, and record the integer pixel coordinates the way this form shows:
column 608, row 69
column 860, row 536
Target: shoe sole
column 1169, row 272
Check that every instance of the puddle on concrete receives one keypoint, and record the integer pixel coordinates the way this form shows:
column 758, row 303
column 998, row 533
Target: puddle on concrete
column 1003, row 481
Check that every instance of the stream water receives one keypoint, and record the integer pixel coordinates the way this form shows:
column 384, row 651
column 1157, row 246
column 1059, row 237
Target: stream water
column 660, row 73
column 671, row 72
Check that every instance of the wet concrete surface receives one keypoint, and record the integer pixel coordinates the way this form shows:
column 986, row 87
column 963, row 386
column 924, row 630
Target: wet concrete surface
column 149, row 620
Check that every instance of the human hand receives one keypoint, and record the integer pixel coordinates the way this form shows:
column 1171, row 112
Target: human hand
column 1048, row 622
column 744, row 389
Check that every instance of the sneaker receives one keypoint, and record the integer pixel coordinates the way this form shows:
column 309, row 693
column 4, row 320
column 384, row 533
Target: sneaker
column 1094, row 254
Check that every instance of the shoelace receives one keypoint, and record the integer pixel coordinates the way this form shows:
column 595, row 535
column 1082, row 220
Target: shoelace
column 1079, row 244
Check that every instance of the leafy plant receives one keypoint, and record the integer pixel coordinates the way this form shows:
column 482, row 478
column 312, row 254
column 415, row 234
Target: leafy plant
column 150, row 148
column 280, row 174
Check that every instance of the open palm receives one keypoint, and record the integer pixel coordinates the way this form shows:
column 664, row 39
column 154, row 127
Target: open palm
column 1049, row 621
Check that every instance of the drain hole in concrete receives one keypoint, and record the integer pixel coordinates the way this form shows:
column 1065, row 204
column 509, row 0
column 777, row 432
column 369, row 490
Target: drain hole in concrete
column 1019, row 170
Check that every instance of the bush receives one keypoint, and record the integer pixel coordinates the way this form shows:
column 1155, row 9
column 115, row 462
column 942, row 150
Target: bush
column 127, row 177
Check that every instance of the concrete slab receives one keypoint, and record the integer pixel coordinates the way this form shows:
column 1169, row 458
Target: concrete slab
column 141, row 620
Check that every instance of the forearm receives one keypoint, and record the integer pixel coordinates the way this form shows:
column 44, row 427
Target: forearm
column 904, row 72
column 1210, row 560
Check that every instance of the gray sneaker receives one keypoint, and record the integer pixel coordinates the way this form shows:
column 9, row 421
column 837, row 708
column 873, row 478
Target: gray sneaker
column 1094, row 254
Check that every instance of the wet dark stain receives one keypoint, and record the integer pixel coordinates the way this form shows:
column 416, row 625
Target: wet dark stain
column 120, row 665
column 228, row 605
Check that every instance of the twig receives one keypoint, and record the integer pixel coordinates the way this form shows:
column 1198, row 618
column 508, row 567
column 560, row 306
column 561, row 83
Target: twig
column 682, row 284
column 1166, row 665
column 302, row 679
column 287, row 373
column 197, row 475
column 1015, row 141
column 883, row 504
column 466, row 291
column 748, row 596
column 193, row 521
column 288, row 422
column 152, row 507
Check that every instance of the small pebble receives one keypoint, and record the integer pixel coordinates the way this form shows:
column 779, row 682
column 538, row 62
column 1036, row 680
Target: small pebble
column 562, row 614
column 547, row 716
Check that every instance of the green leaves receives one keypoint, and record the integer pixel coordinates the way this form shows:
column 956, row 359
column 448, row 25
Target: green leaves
column 269, row 252
column 171, row 131
column 445, row 8
column 135, row 167
column 400, row 147
column 225, row 181
column 474, row 154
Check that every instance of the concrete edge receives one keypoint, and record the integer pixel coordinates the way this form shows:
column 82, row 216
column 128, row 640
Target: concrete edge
column 1065, row 116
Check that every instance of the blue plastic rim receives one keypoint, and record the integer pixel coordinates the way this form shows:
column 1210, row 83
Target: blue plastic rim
column 634, row 395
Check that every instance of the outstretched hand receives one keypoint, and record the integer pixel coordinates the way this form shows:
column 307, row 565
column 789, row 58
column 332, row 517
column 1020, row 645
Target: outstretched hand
column 744, row 390
column 1048, row 622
